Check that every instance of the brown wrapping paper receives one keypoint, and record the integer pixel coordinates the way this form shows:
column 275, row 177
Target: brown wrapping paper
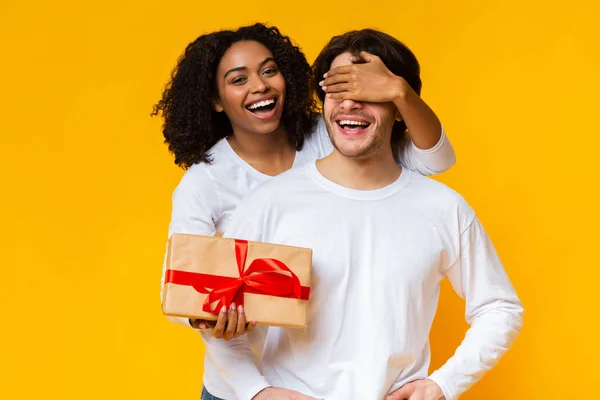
column 216, row 256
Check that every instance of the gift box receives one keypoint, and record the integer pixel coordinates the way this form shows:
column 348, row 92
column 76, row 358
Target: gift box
column 204, row 273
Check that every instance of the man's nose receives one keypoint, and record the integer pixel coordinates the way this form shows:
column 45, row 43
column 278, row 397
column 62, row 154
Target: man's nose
column 350, row 105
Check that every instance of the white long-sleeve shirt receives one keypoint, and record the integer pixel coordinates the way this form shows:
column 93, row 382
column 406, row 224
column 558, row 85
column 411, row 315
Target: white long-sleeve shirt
column 208, row 194
column 379, row 257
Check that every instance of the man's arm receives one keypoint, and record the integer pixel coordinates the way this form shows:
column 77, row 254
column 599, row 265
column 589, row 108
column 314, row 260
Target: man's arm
column 493, row 310
column 236, row 364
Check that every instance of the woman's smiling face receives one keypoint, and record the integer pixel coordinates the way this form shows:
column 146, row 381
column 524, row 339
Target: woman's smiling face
column 251, row 90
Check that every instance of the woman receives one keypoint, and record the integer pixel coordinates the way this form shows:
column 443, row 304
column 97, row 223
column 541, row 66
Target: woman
column 239, row 109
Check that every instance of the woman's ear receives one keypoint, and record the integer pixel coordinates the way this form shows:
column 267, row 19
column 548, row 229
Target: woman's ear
column 217, row 106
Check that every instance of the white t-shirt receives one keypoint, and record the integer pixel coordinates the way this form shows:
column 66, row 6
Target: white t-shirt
column 379, row 257
column 208, row 194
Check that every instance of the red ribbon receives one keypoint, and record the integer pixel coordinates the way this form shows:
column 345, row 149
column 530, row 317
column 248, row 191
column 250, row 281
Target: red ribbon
column 263, row 276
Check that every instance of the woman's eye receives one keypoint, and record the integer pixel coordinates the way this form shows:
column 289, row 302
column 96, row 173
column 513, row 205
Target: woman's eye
column 239, row 80
column 270, row 71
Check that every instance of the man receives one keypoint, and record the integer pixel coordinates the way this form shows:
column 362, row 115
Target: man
column 383, row 238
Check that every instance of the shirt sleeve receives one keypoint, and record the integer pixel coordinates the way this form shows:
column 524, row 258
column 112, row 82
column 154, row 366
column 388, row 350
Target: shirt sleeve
column 195, row 207
column 237, row 364
column 234, row 358
column 493, row 311
column 435, row 160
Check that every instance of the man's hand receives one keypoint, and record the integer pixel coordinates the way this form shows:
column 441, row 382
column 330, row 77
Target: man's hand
column 369, row 82
column 423, row 389
column 273, row 393
column 230, row 324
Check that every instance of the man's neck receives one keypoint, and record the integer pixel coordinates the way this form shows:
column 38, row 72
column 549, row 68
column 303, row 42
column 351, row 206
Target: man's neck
column 371, row 172
column 270, row 153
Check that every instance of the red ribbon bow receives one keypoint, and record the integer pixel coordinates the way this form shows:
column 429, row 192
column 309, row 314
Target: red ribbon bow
column 263, row 276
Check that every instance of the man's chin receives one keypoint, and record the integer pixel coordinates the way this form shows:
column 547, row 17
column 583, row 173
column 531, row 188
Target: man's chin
column 352, row 148
column 352, row 152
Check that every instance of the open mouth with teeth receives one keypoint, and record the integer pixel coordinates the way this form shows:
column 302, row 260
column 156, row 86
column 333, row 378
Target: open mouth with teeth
column 263, row 108
column 352, row 127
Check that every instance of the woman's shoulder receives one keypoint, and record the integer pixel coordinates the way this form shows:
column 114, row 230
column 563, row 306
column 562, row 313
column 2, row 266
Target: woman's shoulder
column 203, row 175
column 317, row 142
column 219, row 159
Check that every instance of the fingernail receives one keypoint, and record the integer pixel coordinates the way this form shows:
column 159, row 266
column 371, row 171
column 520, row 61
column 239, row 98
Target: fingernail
column 224, row 310
column 232, row 306
column 240, row 309
column 324, row 88
column 325, row 75
column 321, row 83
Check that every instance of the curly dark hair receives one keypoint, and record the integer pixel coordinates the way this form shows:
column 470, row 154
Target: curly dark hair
column 191, row 125
column 397, row 57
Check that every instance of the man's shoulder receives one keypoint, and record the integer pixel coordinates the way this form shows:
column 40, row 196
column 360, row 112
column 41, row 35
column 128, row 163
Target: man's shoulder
column 269, row 200
column 438, row 195
column 291, row 175
column 428, row 184
column 278, row 187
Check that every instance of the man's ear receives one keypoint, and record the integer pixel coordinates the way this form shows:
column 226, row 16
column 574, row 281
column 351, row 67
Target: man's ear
column 217, row 106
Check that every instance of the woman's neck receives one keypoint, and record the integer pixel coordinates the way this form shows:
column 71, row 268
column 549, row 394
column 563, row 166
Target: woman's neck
column 270, row 153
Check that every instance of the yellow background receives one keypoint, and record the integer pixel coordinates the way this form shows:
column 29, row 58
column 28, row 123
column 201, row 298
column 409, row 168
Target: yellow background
column 86, row 181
